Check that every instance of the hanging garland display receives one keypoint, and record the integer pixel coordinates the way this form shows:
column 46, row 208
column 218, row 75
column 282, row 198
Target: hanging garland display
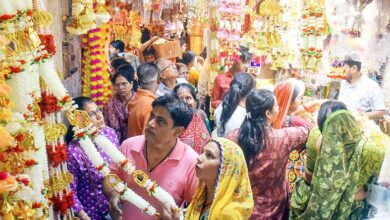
column 313, row 30
column 95, row 74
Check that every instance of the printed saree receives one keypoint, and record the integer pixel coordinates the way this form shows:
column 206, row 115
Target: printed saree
column 196, row 135
column 305, row 201
column 295, row 167
column 233, row 198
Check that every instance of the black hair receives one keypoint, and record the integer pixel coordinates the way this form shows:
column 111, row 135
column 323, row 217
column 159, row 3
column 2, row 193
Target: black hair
column 147, row 73
column 180, row 111
column 295, row 92
column 326, row 109
column 119, row 45
column 251, row 136
column 352, row 63
column 125, row 67
column 204, row 53
column 188, row 57
column 245, row 56
column 145, row 35
column 80, row 101
column 149, row 51
column 189, row 88
column 241, row 86
column 129, row 76
column 119, row 61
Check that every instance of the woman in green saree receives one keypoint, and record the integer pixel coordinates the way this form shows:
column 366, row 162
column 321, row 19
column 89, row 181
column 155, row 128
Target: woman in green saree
column 340, row 163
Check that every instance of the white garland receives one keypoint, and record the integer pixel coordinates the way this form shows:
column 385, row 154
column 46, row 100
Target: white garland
column 20, row 94
column 108, row 147
column 49, row 75
column 39, row 172
column 56, row 87
column 127, row 194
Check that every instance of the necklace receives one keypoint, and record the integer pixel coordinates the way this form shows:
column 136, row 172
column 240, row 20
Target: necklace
column 162, row 160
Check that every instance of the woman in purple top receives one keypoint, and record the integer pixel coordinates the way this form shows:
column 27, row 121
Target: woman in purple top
column 89, row 201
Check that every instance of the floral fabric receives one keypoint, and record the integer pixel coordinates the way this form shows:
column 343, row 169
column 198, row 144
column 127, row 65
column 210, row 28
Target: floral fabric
column 87, row 184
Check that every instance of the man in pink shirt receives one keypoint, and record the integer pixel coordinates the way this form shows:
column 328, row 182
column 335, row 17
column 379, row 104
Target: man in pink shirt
column 161, row 155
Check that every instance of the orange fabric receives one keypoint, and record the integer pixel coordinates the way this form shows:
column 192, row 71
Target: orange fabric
column 139, row 112
column 283, row 92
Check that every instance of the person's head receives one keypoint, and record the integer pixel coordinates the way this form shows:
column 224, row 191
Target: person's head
column 289, row 98
column 167, row 71
column 262, row 110
column 123, row 82
column 118, row 62
column 149, row 54
column 237, row 67
column 240, row 87
column 148, row 76
column 352, row 67
column 94, row 112
column 208, row 162
column 168, row 120
column 326, row 109
column 204, row 53
column 116, row 46
column 145, row 35
column 188, row 59
column 222, row 168
column 186, row 93
column 183, row 70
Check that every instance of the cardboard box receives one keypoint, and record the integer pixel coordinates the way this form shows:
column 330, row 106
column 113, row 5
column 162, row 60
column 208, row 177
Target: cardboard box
column 167, row 48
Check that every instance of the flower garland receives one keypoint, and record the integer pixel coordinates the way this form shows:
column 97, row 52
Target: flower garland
column 139, row 176
column 96, row 77
column 84, row 130
column 313, row 29
column 120, row 187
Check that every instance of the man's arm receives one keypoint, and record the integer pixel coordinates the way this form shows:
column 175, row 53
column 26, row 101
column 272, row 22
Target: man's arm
column 144, row 46
column 376, row 115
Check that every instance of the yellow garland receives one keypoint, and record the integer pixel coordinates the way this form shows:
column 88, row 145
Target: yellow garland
column 100, row 95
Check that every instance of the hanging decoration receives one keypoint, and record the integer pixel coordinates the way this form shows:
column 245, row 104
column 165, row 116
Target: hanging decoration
column 229, row 31
column 126, row 27
column 87, row 15
column 313, row 30
column 25, row 154
column 95, row 74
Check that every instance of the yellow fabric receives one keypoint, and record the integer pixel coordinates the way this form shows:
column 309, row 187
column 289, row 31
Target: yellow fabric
column 233, row 194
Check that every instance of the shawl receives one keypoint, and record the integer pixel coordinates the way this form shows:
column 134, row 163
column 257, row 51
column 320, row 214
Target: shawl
column 283, row 93
column 233, row 198
column 196, row 135
column 336, row 173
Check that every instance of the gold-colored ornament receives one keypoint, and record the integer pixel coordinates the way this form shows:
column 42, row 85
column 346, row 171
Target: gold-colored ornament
column 23, row 211
column 54, row 131
column 269, row 8
column 111, row 180
column 140, row 177
column 6, row 210
column 24, row 40
column 78, row 118
column 41, row 19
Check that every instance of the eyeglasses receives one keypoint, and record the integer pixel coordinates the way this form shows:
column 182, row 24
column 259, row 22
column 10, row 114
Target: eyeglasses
column 165, row 68
column 93, row 114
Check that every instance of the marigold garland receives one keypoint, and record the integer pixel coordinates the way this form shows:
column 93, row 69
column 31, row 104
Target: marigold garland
column 96, row 77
